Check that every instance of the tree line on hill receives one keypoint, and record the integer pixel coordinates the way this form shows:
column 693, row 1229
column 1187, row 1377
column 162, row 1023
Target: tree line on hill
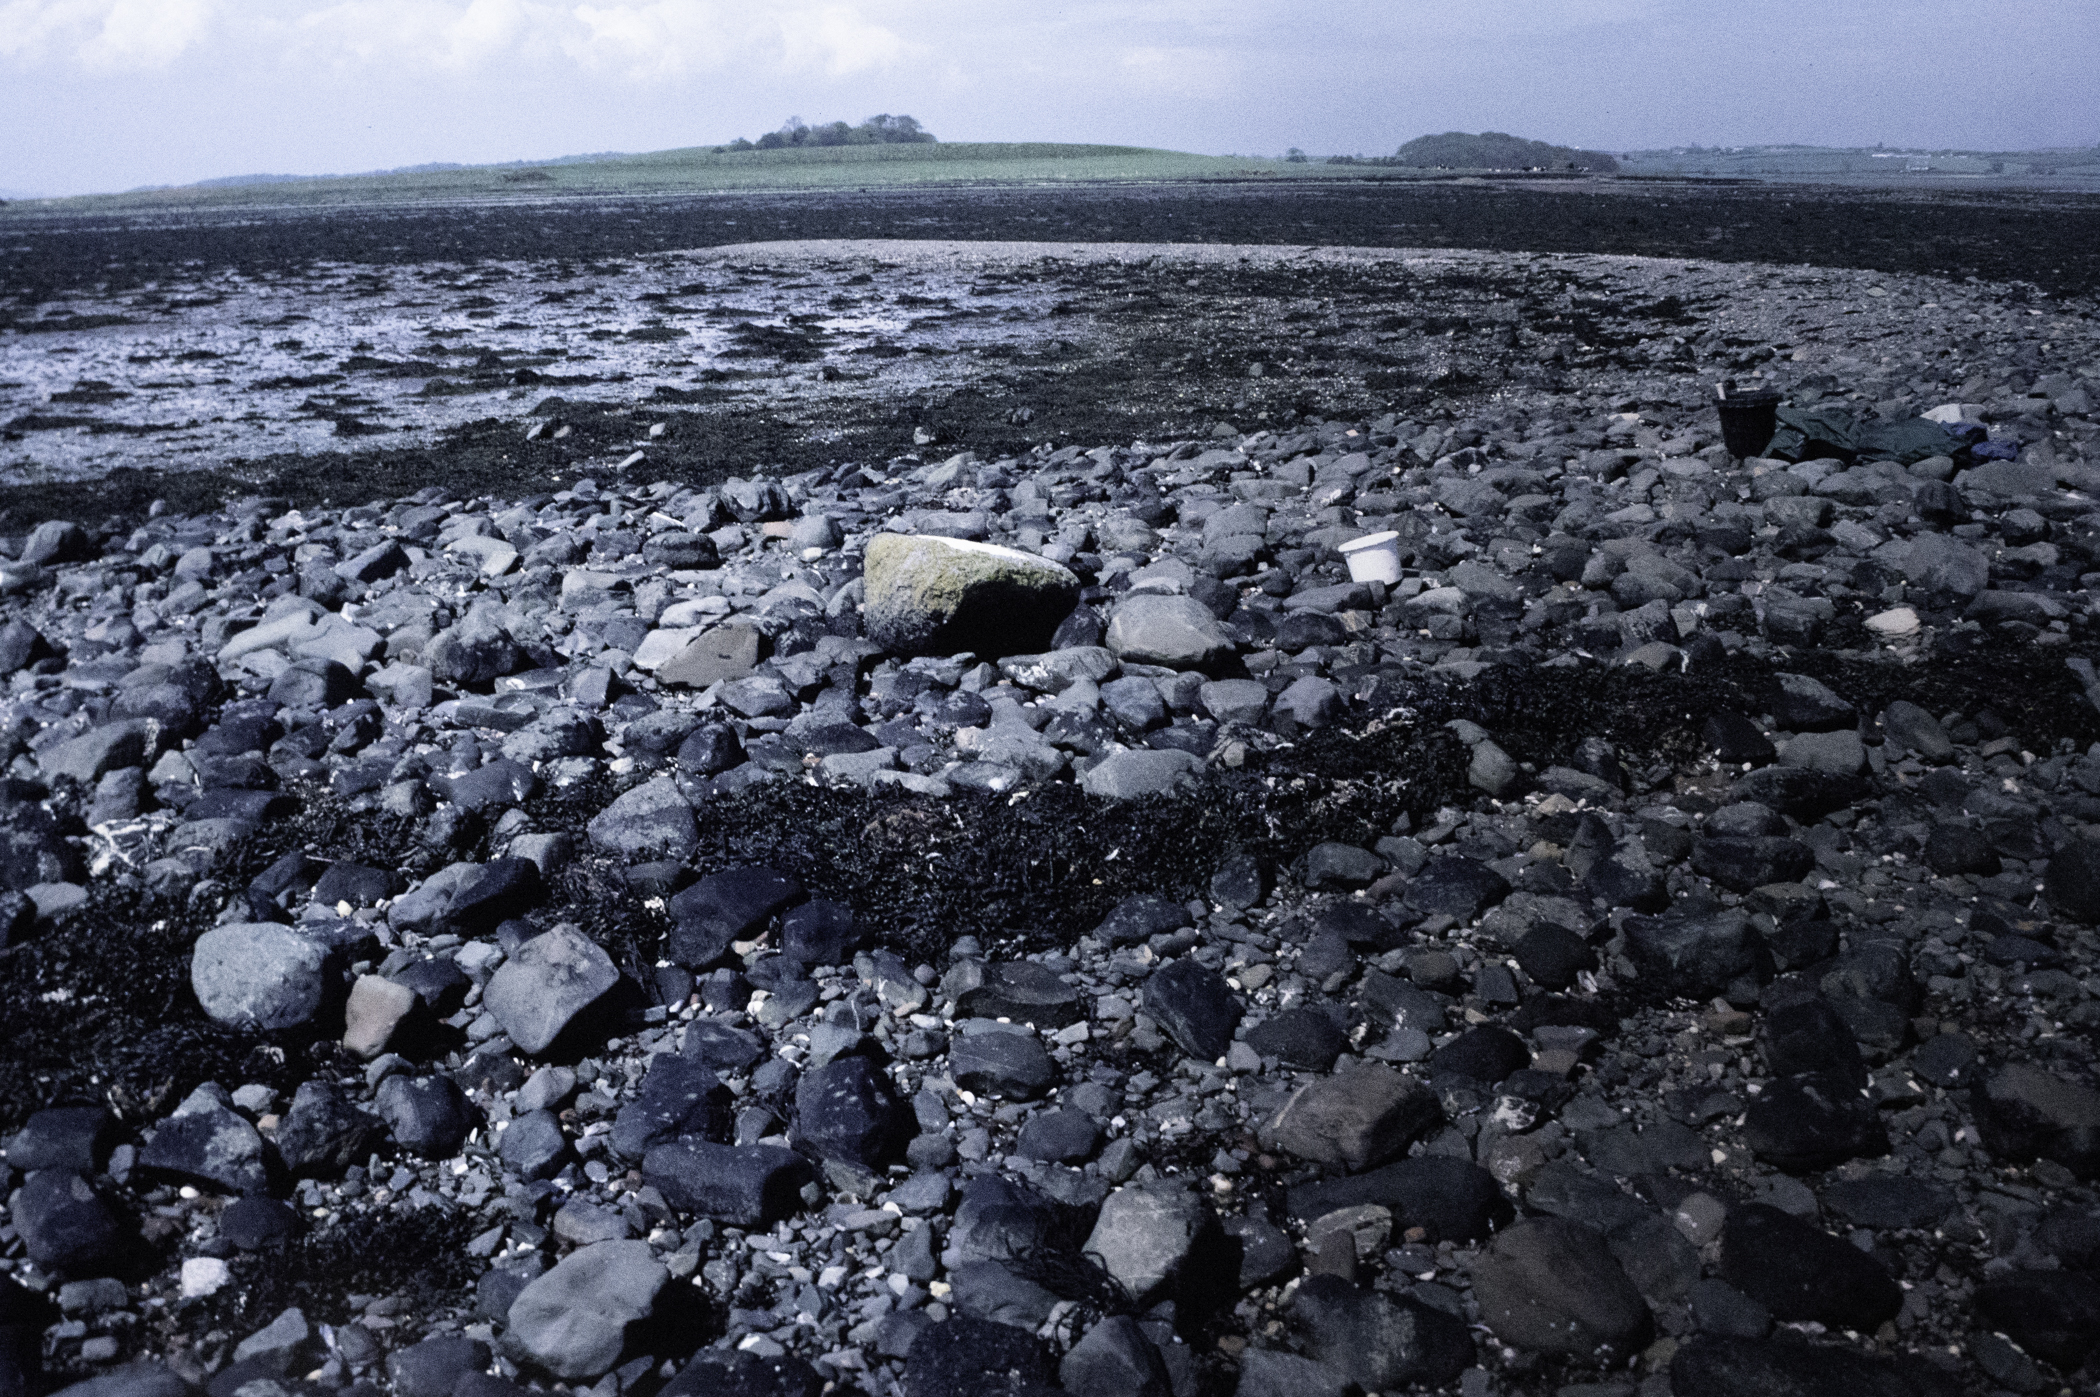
column 882, row 129
column 1490, row 150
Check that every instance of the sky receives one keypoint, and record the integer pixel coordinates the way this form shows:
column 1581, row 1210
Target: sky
column 99, row 95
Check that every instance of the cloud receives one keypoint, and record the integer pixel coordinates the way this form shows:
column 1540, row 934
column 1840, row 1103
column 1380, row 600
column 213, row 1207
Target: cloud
column 105, row 35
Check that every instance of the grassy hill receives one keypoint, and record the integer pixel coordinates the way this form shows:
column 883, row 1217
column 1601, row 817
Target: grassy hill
column 701, row 170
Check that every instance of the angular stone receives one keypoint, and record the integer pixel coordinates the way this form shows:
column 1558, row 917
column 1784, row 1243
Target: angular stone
column 1140, row 771
column 965, row 1357
column 1023, row 991
column 1362, row 1116
column 1145, row 1233
column 1176, row 631
column 654, row 818
column 1553, row 1285
column 740, row 1185
column 546, row 984
column 714, row 1373
column 572, row 1322
column 325, row 1132
column 725, row 907
column 207, row 1144
column 1696, row 957
column 998, row 1062
column 429, row 1116
column 680, row 1099
column 848, row 1110
column 66, row 1227
column 1115, row 1359
column 2025, row 1111
column 1376, row 1341
column 1721, row 1366
column 1194, row 1006
column 715, row 656
column 1800, row 1272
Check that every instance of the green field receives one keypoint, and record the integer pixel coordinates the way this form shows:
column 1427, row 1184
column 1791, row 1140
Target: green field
column 702, row 170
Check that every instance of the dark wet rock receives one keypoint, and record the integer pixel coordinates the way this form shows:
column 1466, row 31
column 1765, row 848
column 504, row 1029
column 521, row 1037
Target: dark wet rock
column 996, row 1061
column 547, row 984
column 818, row 932
column 1059, row 1137
column 1800, row 793
column 1945, row 1060
column 1802, row 704
column 429, row 1116
column 2027, row 1112
column 1909, row 726
column 2072, row 882
column 325, row 1132
column 502, row 889
column 1449, row 1199
column 1696, row 956
column 1800, row 1272
column 1241, row 880
column 434, row 1366
column 1194, row 1007
column 1809, row 1035
column 572, row 1322
column 1743, row 864
column 1553, row 1285
column 67, row 1227
column 1813, row 1122
column 725, row 907
column 2054, row 1315
column 256, row 1224
column 207, row 1144
column 848, row 1110
column 1115, row 1359
column 1024, row 992
column 1486, row 1053
column 76, row 1138
column 680, row 1098
column 1375, row 1340
column 721, row 1047
column 1301, row 1038
column 1140, row 917
column 1363, row 1115
column 1719, row 1309
column 989, row 1291
column 1889, row 1201
column 1554, row 956
column 965, row 1357
column 1455, row 886
column 1732, row 1366
column 534, row 1146
column 713, row 1373
column 740, row 1185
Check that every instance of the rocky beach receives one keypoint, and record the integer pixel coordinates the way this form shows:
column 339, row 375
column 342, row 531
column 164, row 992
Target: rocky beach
column 829, row 816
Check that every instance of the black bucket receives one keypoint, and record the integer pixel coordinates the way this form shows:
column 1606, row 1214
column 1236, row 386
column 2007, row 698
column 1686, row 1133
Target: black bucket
column 1748, row 419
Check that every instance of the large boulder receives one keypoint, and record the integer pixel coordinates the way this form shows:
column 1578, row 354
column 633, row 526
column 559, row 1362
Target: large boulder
column 937, row 596
column 259, row 975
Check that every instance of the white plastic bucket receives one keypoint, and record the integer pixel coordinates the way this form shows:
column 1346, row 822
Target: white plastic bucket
column 1374, row 558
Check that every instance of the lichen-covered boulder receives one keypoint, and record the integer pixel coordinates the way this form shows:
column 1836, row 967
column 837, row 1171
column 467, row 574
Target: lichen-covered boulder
column 938, row 596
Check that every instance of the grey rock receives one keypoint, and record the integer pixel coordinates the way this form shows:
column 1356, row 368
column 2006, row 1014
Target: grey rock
column 2025, row 1111
column 929, row 595
column 1138, row 772
column 207, row 1144
column 996, row 1061
column 1937, row 563
column 260, row 975
column 278, row 1345
column 429, row 1116
column 713, row 1373
column 1023, row 991
column 476, row 651
column 741, row 1185
column 1194, row 1006
column 1176, row 631
column 987, row 1290
column 1268, row 1372
column 533, row 1145
column 1909, row 726
column 680, row 1098
column 1145, row 1233
column 1362, row 1116
column 652, row 819
column 965, row 1357
column 325, row 1132
column 1800, row 1272
column 848, row 1110
column 546, row 984
column 1553, row 1285
column 572, row 1322
column 67, row 1227
column 433, row 1366
column 1115, row 1359
column 725, row 907
column 1376, row 1341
